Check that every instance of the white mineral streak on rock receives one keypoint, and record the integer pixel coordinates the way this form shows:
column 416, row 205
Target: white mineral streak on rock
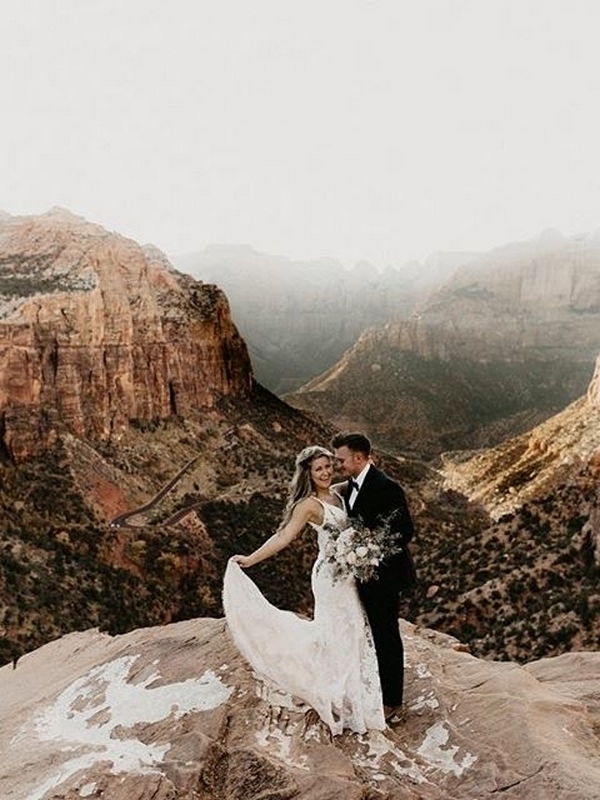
column 279, row 744
column 95, row 712
column 425, row 701
column 433, row 750
column 423, row 671
column 381, row 755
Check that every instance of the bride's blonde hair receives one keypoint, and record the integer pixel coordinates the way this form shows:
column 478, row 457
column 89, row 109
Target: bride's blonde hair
column 300, row 485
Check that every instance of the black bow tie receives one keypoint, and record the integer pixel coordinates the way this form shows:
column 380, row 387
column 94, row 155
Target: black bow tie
column 352, row 484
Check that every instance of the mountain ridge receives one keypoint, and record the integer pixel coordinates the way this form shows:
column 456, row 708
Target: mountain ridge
column 298, row 317
column 497, row 348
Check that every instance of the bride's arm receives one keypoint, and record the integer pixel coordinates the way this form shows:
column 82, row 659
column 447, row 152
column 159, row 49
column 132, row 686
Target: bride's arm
column 307, row 510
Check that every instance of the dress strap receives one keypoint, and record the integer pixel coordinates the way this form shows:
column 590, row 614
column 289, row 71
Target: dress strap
column 324, row 507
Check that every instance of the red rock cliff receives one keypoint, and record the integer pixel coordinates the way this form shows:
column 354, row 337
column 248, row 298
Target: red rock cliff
column 96, row 331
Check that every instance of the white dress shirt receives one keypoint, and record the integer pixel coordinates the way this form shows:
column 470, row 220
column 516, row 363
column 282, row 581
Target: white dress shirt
column 359, row 480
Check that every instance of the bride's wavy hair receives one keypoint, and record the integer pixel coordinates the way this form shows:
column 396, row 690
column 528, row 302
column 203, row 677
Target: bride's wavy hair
column 300, row 485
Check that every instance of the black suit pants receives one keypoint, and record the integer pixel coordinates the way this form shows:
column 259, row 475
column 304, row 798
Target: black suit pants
column 383, row 609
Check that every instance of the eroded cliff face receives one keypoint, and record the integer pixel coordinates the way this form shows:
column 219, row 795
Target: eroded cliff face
column 96, row 331
column 533, row 300
column 298, row 317
column 508, row 341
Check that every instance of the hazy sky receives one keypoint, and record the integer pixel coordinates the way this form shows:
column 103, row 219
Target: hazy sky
column 377, row 129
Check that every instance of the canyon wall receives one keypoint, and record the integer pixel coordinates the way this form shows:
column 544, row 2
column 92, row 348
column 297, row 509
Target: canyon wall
column 298, row 317
column 510, row 339
column 96, row 331
column 538, row 299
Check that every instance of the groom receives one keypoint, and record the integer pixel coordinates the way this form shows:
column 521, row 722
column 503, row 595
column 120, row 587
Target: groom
column 374, row 497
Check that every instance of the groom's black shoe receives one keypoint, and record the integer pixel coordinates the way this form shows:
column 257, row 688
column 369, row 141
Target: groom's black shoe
column 394, row 714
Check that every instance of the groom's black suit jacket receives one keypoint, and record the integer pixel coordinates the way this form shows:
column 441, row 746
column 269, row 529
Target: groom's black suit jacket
column 380, row 498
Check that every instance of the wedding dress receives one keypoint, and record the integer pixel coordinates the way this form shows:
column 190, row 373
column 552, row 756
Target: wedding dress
column 328, row 662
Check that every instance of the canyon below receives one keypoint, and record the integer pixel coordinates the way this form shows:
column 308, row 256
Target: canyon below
column 140, row 449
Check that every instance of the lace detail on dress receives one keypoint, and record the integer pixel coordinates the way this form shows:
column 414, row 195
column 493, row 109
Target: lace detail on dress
column 328, row 662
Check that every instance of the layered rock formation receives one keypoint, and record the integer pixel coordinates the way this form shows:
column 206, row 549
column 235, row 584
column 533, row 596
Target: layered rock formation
column 96, row 331
column 174, row 712
column 532, row 300
column 508, row 341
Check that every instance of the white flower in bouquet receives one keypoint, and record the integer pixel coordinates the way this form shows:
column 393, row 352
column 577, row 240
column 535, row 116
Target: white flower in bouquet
column 356, row 551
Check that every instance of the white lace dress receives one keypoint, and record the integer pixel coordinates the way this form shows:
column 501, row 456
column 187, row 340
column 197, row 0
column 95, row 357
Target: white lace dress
column 328, row 662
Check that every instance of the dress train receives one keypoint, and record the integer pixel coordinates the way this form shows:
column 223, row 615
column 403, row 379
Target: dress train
column 328, row 662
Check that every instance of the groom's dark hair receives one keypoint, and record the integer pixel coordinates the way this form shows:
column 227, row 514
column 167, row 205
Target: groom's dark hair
column 355, row 441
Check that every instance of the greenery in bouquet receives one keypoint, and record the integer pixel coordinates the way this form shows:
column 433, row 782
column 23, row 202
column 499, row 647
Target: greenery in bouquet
column 356, row 551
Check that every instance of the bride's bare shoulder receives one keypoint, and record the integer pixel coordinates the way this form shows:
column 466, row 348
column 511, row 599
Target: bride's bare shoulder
column 310, row 508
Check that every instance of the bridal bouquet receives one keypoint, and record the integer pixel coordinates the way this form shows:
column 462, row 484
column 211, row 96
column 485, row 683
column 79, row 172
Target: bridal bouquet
column 357, row 550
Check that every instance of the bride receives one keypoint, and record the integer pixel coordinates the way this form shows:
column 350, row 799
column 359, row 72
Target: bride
column 329, row 662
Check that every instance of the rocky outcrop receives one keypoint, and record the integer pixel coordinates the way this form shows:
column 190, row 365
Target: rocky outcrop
column 96, row 332
column 174, row 712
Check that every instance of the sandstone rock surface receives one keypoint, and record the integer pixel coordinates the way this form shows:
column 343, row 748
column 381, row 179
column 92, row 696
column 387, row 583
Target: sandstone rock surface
column 174, row 712
column 96, row 331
